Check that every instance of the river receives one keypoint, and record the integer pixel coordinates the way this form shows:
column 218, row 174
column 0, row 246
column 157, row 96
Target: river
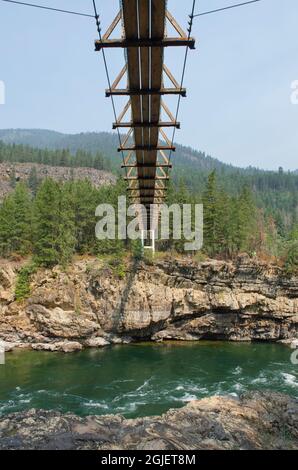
column 142, row 379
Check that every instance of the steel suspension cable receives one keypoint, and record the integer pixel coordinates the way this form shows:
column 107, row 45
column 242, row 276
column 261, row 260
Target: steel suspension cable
column 43, row 7
column 191, row 16
column 96, row 16
column 237, row 5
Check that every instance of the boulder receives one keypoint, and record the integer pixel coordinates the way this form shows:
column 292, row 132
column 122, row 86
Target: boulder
column 96, row 342
column 62, row 346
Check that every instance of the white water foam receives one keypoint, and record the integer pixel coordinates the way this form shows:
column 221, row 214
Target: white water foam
column 237, row 371
column 180, row 387
column 239, row 387
column 290, row 379
column 261, row 379
column 188, row 397
column 130, row 407
column 95, row 404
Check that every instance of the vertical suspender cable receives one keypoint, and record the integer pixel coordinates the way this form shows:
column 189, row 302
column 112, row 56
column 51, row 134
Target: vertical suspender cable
column 108, row 76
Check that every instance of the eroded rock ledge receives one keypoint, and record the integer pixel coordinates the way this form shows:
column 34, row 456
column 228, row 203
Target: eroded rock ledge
column 90, row 306
column 254, row 421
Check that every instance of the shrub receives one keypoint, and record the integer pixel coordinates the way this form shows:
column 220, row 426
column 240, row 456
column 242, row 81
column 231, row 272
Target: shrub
column 22, row 290
column 291, row 263
column 137, row 249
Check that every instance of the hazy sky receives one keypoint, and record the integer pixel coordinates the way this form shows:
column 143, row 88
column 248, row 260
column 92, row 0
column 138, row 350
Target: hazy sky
column 239, row 78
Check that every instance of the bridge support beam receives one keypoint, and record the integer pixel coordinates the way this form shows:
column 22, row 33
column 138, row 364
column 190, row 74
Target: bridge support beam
column 144, row 238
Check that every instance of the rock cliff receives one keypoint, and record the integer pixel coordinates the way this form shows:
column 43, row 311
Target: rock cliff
column 89, row 305
column 254, row 421
column 21, row 172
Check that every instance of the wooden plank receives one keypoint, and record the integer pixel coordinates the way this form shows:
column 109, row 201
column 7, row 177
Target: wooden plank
column 148, row 188
column 165, row 137
column 144, row 14
column 145, row 41
column 167, row 111
column 138, row 200
column 163, row 197
column 140, row 43
column 131, row 26
column 175, row 25
column 146, row 165
column 146, row 178
column 127, row 159
column 123, row 113
column 114, row 24
column 170, row 76
column 146, row 92
column 146, row 124
column 119, row 77
column 148, row 148
column 127, row 137
column 158, row 10
column 163, row 156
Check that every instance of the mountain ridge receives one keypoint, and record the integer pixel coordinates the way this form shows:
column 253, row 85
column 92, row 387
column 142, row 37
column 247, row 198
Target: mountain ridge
column 107, row 143
column 275, row 192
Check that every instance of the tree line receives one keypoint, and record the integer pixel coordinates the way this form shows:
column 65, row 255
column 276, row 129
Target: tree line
column 13, row 153
column 58, row 220
column 276, row 193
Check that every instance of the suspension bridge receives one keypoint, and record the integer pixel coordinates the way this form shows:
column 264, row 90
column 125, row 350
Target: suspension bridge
column 146, row 148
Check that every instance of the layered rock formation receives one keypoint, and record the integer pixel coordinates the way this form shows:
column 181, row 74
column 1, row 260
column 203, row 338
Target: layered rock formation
column 88, row 305
column 254, row 421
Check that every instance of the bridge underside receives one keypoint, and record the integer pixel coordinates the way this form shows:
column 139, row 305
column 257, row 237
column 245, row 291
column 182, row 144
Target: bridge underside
column 146, row 145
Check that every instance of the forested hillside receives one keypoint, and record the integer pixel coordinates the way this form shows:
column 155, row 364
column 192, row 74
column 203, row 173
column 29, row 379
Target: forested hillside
column 106, row 143
column 276, row 193
column 20, row 153
column 57, row 220
column 52, row 218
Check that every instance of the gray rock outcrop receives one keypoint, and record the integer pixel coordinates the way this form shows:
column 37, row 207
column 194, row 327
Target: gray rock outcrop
column 254, row 421
column 167, row 300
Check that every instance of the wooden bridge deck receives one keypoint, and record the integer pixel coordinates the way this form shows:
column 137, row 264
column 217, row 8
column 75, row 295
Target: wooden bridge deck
column 144, row 39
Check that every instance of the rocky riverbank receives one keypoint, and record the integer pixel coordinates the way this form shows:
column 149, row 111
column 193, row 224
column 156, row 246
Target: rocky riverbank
column 91, row 305
column 254, row 421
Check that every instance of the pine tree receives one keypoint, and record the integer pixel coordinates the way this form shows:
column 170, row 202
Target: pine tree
column 15, row 222
column 64, row 159
column 6, row 225
column 33, row 181
column 22, row 232
column 84, row 201
column 12, row 178
column 2, row 152
column 98, row 162
column 246, row 220
column 224, row 223
column 54, row 239
column 109, row 195
column 66, row 234
column 210, row 202
column 292, row 251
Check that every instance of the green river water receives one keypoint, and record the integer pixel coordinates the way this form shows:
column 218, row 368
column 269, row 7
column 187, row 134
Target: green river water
column 142, row 379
